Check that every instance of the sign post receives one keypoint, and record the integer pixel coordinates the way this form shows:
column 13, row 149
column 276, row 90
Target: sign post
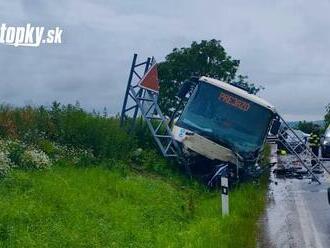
column 224, row 195
column 222, row 172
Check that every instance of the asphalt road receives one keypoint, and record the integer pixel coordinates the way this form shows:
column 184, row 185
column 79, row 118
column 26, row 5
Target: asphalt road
column 298, row 214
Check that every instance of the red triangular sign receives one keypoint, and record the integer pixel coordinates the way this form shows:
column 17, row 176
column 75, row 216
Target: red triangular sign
column 150, row 79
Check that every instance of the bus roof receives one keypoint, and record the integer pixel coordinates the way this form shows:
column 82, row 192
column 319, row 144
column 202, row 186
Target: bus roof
column 239, row 92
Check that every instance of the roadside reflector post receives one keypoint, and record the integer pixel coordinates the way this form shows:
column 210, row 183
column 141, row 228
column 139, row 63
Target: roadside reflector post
column 224, row 195
column 222, row 173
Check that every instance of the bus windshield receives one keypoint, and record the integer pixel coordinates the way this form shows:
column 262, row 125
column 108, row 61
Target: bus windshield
column 227, row 119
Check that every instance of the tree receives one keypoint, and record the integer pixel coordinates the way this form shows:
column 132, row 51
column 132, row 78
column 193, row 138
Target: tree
column 306, row 126
column 243, row 83
column 207, row 58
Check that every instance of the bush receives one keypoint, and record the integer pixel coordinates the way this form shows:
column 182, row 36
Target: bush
column 48, row 147
column 66, row 153
column 32, row 158
column 75, row 156
column 18, row 154
column 5, row 164
column 66, row 125
column 68, row 133
column 16, row 151
column 151, row 161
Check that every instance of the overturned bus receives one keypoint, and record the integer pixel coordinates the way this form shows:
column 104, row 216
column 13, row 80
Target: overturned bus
column 223, row 123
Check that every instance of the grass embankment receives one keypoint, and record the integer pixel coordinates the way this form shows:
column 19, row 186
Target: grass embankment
column 101, row 207
column 56, row 194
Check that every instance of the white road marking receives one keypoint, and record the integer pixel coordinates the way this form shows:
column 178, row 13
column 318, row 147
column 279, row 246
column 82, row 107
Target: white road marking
column 310, row 234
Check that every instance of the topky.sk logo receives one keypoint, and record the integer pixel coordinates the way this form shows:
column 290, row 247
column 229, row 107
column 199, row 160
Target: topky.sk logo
column 29, row 36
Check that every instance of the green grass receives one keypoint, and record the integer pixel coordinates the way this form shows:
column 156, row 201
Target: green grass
column 143, row 202
column 100, row 207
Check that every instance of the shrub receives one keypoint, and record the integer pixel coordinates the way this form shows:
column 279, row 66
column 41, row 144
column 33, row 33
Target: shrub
column 5, row 164
column 14, row 150
column 73, row 155
column 32, row 158
column 48, row 147
column 151, row 161
column 66, row 125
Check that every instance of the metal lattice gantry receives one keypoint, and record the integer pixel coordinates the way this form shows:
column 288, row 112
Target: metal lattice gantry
column 141, row 100
column 301, row 150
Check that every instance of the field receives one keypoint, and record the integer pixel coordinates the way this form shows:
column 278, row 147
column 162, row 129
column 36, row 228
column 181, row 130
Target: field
column 111, row 195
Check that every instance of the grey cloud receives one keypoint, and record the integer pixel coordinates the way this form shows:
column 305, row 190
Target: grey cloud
column 283, row 45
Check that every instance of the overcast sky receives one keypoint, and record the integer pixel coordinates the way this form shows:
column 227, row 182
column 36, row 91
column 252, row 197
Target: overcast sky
column 283, row 45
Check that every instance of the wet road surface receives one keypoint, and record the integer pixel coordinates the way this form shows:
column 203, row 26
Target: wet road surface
column 298, row 214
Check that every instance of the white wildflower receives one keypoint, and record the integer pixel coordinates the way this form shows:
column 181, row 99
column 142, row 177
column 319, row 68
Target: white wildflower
column 33, row 158
column 5, row 163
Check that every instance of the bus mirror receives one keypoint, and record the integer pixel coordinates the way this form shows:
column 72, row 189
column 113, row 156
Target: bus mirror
column 275, row 127
column 185, row 88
